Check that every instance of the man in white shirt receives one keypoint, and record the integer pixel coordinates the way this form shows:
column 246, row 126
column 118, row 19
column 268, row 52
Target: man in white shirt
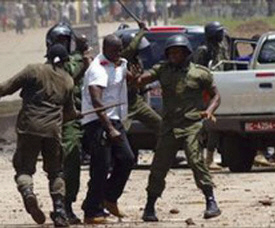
column 105, row 83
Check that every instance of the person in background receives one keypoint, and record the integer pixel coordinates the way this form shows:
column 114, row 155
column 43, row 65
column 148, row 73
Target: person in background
column 19, row 17
column 151, row 12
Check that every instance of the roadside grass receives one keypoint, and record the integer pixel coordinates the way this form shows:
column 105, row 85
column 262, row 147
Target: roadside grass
column 10, row 107
column 230, row 23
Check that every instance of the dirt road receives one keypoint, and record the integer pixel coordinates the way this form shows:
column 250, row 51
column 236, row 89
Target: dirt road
column 239, row 197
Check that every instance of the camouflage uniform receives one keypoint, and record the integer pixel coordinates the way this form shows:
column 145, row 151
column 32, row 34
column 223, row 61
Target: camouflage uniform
column 215, row 52
column 182, row 103
column 72, row 134
column 138, row 109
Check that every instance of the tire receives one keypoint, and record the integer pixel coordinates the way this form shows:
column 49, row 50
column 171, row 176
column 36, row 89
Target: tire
column 238, row 153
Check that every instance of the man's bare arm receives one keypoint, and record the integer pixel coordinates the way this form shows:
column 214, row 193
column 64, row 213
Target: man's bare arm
column 144, row 79
column 213, row 104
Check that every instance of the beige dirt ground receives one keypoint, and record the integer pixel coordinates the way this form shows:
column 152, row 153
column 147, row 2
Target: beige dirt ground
column 239, row 197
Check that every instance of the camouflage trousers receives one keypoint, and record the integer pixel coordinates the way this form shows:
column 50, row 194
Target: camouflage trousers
column 141, row 111
column 25, row 159
column 72, row 135
column 167, row 147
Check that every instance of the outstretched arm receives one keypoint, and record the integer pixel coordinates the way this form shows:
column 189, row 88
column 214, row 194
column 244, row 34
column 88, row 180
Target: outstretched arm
column 15, row 83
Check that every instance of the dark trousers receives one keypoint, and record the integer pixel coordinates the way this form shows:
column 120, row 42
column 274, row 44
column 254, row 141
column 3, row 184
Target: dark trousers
column 105, row 154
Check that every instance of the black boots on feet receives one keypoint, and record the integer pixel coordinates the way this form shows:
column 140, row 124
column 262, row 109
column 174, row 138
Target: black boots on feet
column 59, row 215
column 72, row 218
column 212, row 209
column 149, row 214
column 32, row 206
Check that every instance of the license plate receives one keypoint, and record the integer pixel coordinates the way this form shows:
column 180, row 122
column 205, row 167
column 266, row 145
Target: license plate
column 260, row 126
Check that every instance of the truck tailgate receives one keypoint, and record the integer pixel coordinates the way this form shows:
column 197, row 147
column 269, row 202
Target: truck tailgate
column 246, row 92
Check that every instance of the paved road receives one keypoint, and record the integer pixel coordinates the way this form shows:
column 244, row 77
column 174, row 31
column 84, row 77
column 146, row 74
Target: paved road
column 16, row 51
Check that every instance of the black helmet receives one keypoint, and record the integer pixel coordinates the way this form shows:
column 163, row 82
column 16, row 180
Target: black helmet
column 57, row 53
column 60, row 29
column 214, row 31
column 178, row 41
column 127, row 37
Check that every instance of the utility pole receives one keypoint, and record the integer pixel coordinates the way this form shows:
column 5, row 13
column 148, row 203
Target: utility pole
column 165, row 12
column 94, row 29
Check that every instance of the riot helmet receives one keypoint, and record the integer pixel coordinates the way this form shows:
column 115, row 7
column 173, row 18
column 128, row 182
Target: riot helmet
column 127, row 38
column 60, row 33
column 178, row 41
column 214, row 31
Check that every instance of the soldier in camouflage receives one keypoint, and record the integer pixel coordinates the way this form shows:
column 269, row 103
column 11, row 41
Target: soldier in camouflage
column 214, row 50
column 182, row 84
column 138, row 109
column 72, row 133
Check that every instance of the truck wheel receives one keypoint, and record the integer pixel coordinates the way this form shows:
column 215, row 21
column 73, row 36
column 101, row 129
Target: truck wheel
column 238, row 153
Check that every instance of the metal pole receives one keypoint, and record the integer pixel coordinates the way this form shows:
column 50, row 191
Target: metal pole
column 165, row 12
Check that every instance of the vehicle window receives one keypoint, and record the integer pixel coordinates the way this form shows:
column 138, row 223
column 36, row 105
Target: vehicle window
column 267, row 54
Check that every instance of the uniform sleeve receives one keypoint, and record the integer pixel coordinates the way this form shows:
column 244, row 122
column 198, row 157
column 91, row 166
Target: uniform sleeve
column 16, row 82
column 206, row 80
column 75, row 65
column 132, row 48
column 200, row 56
column 69, row 111
column 96, row 75
column 155, row 71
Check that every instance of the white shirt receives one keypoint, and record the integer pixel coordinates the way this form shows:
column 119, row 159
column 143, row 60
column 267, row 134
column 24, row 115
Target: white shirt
column 151, row 6
column 103, row 73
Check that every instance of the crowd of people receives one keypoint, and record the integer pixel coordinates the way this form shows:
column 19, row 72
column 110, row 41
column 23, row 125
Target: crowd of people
column 21, row 14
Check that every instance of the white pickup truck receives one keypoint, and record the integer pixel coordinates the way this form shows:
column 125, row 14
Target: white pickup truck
column 246, row 116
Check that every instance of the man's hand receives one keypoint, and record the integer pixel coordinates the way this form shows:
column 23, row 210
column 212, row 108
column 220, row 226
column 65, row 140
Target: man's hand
column 78, row 115
column 208, row 115
column 114, row 135
column 81, row 43
column 87, row 57
column 142, row 25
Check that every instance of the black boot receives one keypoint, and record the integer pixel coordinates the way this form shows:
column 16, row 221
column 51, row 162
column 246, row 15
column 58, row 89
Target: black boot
column 149, row 214
column 72, row 218
column 59, row 215
column 32, row 206
column 212, row 209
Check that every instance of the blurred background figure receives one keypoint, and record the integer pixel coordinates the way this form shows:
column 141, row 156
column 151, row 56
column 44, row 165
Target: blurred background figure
column 84, row 11
column 3, row 15
column 65, row 12
column 72, row 12
column 44, row 13
column 19, row 17
column 151, row 12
